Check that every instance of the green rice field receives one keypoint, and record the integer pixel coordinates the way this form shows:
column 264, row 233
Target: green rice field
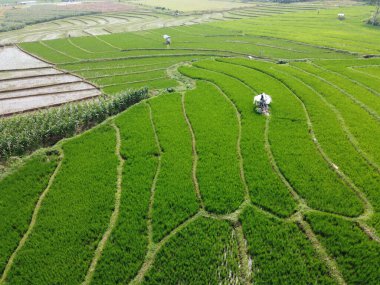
column 192, row 186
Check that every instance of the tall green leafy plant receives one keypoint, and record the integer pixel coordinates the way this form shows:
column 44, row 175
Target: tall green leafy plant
column 24, row 133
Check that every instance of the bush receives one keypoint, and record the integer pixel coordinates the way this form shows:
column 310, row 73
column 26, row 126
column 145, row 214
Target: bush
column 10, row 26
column 373, row 22
column 16, row 19
column 24, row 133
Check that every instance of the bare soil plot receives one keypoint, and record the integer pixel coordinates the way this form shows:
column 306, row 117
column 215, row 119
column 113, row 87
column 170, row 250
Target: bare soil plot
column 27, row 83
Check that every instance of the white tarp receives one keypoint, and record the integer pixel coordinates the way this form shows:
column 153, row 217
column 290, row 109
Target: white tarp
column 266, row 97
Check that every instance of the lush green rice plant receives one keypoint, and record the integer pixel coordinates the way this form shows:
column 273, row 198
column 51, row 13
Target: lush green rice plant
column 74, row 51
column 131, row 70
column 321, row 29
column 93, row 44
column 293, row 148
column 204, row 252
column 333, row 138
column 131, row 78
column 235, row 40
column 216, row 131
column 281, row 252
column 175, row 198
column 126, row 248
column 266, row 189
column 77, row 210
column 363, row 126
column 159, row 83
column 359, row 93
column 134, row 61
column 19, row 194
column 357, row 256
column 74, row 214
column 37, row 49
column 132, row 40
column 370, row 70
column 133, row 64
column 358, row 70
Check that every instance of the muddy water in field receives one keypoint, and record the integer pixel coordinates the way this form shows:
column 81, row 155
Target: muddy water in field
column 13, row 58
column 10, row 106
column 28, row 72
column 27, row 83
column 76, row 86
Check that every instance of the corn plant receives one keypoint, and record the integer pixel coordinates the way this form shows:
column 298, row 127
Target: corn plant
column 24, row 133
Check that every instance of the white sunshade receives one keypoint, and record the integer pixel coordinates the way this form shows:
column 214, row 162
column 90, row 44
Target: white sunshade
column 267, row 98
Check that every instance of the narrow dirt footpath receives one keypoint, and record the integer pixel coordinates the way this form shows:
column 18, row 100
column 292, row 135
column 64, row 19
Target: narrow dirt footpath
column 301, row 202
column 79, row 47
column 356, row 101
column 238, row 144
column 152, row 247
column 243, row 252
column 373, row 91
column 195, row 154
column 33, row 220
column 302, row 207
column 368, row 208
column 60, row 52
column 155, row 248
column 245, row 259
column 154, row 183
column 351, row 138
column 299, row 218
column 115, row 214
column 107, row 43
column 321, row 251
column 369, row 231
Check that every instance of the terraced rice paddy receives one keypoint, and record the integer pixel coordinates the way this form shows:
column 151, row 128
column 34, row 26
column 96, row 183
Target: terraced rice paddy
column 136, row 19
column 132, row 60
column 193, row 186
column 27, row 83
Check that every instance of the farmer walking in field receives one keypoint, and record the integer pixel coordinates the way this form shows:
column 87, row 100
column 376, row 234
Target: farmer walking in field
column 168, row 40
